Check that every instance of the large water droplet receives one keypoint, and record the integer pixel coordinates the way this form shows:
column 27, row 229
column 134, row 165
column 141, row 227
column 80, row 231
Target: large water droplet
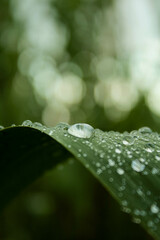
column 137, row 166
column 145, row 130
column 81, row 130
column 27, row 123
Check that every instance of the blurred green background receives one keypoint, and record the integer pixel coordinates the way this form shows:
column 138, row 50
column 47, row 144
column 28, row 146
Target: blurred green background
column 93, row 61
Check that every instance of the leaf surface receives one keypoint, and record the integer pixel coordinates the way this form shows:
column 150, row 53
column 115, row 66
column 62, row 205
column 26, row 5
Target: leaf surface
column 128, row 164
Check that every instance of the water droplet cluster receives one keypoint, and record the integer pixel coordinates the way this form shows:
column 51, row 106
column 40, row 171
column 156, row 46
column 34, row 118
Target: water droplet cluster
column 124, row 162
column 127, row 163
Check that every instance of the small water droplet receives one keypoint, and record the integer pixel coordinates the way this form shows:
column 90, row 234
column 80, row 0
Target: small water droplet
column 117, row 150
column 157, row 158
column 149, row 148
column 27, row 123
column 150, row 224
column 81, row 130
column 148, row 193
column 103, row 168
column 140, row 192
column 102, row 155
column 84, row 154
column 87, row 165
column 111, row 162
column 142, row 160
column 37, row 124
column 51, row 132
column 154, row 171
column 126, row 209
column 128, row 140
column 154, row 208
column 136, row 220
column 124, row 203
column 99, row 171
column 137, row 166
column 120, row 171
column 137, row 212
column 98, row 164
column 1, row 127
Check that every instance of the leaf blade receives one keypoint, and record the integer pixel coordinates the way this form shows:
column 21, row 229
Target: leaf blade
column 109, row 158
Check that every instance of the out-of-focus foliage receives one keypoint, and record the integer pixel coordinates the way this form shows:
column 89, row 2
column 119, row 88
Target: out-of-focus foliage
column 76, row 61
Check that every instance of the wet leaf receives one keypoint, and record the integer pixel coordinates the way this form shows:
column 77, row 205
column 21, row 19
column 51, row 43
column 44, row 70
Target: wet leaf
column 127, row 164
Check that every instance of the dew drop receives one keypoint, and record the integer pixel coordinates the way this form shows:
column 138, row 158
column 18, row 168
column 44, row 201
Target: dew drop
column 154, row 208
column 154, row 171
column 87, row 165
column 150, row 224
column 128, row 140
column 1, row 127
column 111, row 179
column 99, row 171
column 145, row 130
column 149, row 149
column 124, row 203
column 111, row 162
column 137, row 166
column 157, row 158
column 136, row 220
column 51, row 132
column 117, row 150
column 120, row 171
column 140, row 192
column 125, row 142
column 102, row 155
column 27, row 123
column 98, row 164
column 37, row 124
column 81, row 130
column 142, row 159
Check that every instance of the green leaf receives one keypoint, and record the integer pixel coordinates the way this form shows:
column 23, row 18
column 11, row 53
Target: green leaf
column 127, row 164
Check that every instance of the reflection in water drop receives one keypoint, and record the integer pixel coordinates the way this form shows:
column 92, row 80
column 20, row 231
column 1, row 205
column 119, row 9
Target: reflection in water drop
column 81, row 130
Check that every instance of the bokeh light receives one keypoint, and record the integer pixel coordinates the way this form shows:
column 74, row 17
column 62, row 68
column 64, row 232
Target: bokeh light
column 77, row 61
